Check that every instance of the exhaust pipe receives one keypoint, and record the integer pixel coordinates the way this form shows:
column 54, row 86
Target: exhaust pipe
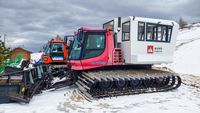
column 119, row 22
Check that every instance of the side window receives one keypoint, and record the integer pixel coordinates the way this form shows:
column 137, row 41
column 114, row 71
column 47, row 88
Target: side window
column 169, row 33
column 158, row 33
column 151, row 34
column 164, row 34
column 141, row 31
column 46, row 49
column 108, row 25
column 126, row 31
column 94, row 45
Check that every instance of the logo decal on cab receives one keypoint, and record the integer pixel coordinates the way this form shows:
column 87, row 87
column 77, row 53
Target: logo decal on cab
column 150, row 49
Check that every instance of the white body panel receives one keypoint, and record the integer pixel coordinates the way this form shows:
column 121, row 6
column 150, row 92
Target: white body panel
column 139, row 52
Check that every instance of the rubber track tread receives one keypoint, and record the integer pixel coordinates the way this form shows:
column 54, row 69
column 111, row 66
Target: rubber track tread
column 89, row 82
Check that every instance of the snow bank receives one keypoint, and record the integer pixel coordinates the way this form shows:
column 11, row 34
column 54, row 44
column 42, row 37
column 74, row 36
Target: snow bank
column 187, row 55
column 187, row 35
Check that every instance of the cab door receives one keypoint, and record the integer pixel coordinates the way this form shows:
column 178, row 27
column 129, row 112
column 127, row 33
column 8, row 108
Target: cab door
column 94, row 51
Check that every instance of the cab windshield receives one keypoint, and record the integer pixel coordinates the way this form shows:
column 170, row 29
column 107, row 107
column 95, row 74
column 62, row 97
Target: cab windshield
column 57, row 48
column 76, row 49
column 46, row 49
column 53, row 48
column 89, row 45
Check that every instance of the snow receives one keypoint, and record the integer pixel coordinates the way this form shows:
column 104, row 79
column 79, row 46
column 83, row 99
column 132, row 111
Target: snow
column 186, row 99
column 42, row 103
column 36, row 57
column 187, row 59
column 186, row 35
column 164, row 102
column 187, row 55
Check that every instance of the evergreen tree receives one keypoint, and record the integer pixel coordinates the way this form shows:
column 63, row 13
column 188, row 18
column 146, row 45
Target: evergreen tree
column 4, row 53
column 182, row 23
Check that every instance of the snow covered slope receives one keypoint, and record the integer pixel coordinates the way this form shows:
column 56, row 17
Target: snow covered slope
column 187, row 54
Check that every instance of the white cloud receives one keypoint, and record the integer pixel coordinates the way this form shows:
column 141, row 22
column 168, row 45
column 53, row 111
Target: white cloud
column 19, row 41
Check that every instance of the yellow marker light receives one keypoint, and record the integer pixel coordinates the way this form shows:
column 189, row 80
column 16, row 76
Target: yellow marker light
column 45, row 59
column 109, row 28
column 23, row 90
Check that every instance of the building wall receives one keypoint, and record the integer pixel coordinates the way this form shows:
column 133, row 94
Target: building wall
column 25, row 54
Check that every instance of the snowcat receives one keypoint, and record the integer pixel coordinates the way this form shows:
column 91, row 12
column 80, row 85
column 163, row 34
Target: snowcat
column 56, row 51
column 117, row 60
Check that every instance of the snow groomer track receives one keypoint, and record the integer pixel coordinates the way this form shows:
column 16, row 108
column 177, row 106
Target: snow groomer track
column 108, row 83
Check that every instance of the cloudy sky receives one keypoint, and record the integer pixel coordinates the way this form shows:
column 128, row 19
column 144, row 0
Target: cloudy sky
column 30, row 23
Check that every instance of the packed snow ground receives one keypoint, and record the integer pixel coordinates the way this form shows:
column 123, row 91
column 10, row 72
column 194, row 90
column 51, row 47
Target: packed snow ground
column 185, row 99
column 67, row 100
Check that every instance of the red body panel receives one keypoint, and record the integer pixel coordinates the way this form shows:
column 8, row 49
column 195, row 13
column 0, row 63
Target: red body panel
column 76, row 65
column 105, row 59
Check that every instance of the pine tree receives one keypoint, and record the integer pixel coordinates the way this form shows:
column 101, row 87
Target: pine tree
column 182, row 23
column 4, row 53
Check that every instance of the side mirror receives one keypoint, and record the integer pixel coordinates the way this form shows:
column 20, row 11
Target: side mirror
column 80, row 45
column 68, row 39
column 65, row 39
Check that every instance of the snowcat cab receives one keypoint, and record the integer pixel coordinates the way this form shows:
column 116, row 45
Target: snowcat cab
column 56, row 51
column 106, row 57
column 144, row 40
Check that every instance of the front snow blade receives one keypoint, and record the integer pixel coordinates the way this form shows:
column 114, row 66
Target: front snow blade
column 20, row 86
